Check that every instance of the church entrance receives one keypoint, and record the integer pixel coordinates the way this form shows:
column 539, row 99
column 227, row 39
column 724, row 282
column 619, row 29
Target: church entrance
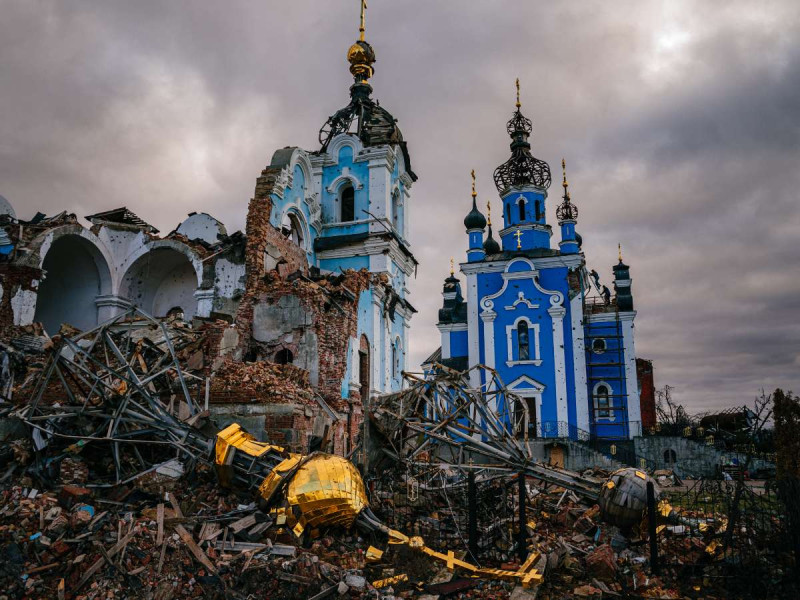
column 525, row 420
column 363, row 369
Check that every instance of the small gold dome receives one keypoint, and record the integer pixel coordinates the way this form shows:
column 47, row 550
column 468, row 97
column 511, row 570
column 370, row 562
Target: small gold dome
column 361, row 56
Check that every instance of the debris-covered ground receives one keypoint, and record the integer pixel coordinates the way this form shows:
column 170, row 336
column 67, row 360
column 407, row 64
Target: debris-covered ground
column 115, row 483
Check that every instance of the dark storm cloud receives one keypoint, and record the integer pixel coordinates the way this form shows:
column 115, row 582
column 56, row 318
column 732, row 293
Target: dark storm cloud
column 680, row 123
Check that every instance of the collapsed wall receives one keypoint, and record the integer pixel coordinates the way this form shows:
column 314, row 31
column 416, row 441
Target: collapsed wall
column 270, row 335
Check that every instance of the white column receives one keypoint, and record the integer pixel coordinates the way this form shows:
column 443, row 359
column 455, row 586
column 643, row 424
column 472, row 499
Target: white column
column 109, row 306
column 205, row 302
column 579, row 358
column 631, row 382
column 488, row 317
column 473, row 333
column 557, row 314
column 375, row 359
column 379, row 193
column 355, row 366
column 445, row 331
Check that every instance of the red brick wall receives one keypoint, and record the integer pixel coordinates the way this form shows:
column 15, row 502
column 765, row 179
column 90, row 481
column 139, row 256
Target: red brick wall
column 647, row 393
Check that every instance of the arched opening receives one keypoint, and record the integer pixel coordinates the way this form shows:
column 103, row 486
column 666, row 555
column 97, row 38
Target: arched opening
column 670, row 456
column 521, row 210
column 363, row 367
column 397, row 359
column 599, row 346
column 396, row 210
column 293, row 229
column 538, row 208
column 525, row 417
column 508, row 214
column 176, row 313
column 162, row 282
column 284, row 356
column 602, row 401
column 348, row 201
column 76, row 273
column 523, row 341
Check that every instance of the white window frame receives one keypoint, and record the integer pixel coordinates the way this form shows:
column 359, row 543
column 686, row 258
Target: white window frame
column 612, row 415
column 533, row 332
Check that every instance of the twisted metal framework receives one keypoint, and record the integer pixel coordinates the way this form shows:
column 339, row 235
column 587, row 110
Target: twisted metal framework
column 566, row 211
column 111, row 384
column 522, row 168
column 374, row 124
column 442, row 420
column 118, row 390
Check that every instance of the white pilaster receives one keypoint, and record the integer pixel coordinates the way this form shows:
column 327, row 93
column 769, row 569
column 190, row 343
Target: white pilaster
column 579, row 364
column 375, row 360
column 557, row 314
column 473, row 332
column 205, row 302
column 445, row 332
column 631, row 383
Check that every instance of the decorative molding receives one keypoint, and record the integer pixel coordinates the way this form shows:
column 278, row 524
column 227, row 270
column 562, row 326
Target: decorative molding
column 527, row 227
column 521, row 299
column 571, row 261
column 556, row 296
column 346, row 175
column 532, row 327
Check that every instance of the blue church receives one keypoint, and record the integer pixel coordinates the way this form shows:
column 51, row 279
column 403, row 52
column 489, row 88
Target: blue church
column 558, row 339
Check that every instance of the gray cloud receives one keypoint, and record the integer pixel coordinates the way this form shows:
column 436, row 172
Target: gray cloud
column 680, row 124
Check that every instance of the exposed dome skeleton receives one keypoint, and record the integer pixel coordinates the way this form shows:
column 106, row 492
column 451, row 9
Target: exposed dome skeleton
column 522, row 168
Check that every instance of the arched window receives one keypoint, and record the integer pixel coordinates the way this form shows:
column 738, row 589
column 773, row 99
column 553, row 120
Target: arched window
column 396, row 210
column 522, row 210
column 284, row 357
column 599, row 346
column 508, row 214
column 397, row 359
column 538, row 207
column 348, row 204
column 670, row 457
column 602, row 401
column 523, row 341
column 292, row 229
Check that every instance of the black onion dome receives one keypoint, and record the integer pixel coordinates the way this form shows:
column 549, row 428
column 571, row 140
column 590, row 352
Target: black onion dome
column 475, row 218
column 490, row 246
column 522, row 168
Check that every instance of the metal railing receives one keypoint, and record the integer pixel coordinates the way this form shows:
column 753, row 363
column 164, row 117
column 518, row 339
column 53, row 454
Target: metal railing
column 558, row 429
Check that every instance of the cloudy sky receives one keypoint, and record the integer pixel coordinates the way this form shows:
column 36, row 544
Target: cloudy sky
column 679, row 121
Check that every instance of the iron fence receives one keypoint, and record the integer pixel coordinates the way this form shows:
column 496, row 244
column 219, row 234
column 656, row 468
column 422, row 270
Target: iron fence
column 732, row 535
column 435, row 506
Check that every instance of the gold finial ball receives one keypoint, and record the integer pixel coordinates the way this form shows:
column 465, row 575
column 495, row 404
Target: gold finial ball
column 361, row 57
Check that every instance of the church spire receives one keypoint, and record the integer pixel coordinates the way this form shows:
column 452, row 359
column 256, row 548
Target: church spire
column 567, row 215
column 490, row 246
column 475, row 223
column 474, row 218
column 522, row 169
column 361, row 56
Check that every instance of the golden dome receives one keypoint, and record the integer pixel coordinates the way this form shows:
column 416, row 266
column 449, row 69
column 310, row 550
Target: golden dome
column 361, row 56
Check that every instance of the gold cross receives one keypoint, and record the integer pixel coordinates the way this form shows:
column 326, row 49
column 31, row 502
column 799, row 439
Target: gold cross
column 518, row 102
column 474, row 193
column 518, row 235
column 452, row 269
column 363, row 16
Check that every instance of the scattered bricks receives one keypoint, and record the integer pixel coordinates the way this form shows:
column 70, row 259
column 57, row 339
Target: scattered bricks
column 587, row 591
column 70, row 495
column 602, row 563
column 73, row 471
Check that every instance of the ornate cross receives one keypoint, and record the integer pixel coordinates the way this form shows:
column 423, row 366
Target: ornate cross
column 363, row 16
column 518, row 235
